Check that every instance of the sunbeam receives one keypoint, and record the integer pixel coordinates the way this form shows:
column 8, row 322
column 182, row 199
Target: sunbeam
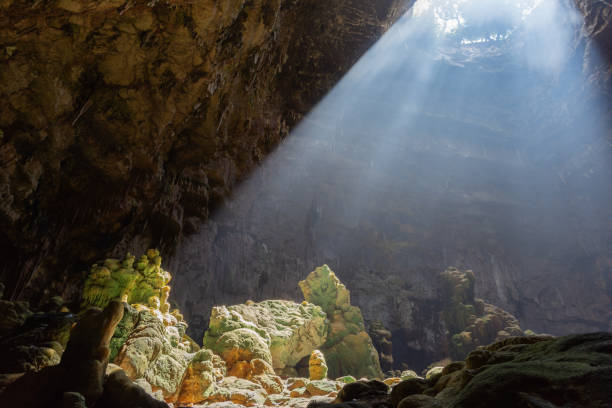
column 452, row 141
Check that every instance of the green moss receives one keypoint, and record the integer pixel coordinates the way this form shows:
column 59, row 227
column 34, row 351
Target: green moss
column 123, row 330
column 127, row 280
column 324, row 289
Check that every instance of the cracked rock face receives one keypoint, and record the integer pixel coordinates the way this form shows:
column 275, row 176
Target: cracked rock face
column 123, row 123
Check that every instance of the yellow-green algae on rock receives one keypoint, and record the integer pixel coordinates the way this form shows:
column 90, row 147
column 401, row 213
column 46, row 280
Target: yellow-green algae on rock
column 142, row 281
column 243, row 346
column 348, row 348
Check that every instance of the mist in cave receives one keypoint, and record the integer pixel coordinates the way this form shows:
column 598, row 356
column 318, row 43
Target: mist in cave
column 469, row 135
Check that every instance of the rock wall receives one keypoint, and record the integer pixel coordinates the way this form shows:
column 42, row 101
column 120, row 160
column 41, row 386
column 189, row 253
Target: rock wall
column 124, row 123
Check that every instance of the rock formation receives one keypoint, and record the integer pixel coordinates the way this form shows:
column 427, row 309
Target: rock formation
column 81, row 370
column 348, row 348
column 287, row 331
column 123, row 124
column 317, row 367
column 154, row 362
column 382, row 340
column 471, row 322
column 143, row 282
column 389, row 247
column 515, row 372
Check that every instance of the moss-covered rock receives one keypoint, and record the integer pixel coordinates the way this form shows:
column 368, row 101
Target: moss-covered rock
column 133, row 281
column 348, row 349
column 204, row 369
column 238, row 391
column 290, row 330
column 241, row 345
column 317, row 368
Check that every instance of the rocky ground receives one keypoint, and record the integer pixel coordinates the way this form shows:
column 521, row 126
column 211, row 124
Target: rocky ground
column 127, row 347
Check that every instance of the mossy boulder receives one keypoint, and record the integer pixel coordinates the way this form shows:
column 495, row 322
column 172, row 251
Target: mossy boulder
column 348, row 349
column 290, row 330
column 539, row 371
column 241, row 345
column 130, row 280
column 317, row 367
column 323, row 288
column 149, row 346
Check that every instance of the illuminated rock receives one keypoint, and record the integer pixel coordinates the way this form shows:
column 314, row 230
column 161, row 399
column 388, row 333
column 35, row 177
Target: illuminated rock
column 152, row 351
column 289, row 330
column 471, row 322
column 238, row 391
column 240, row 345
column 133, row 281
column 348, row 349
column 316, row 366
column 204, row 369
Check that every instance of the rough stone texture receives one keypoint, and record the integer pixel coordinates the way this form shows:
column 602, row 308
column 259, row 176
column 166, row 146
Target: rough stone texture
column 123, row 124
column 534, row 372
column 82, row 368
column 290, row 330
column 142, row 282
column 150, row 352
column 30, row 341
column 317, row 368
column 471, row 322
column 348, row 349
column 382, row 340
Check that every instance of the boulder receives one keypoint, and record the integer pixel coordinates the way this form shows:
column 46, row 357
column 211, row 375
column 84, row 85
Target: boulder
column 291, row 330
column 317, row 367
column 434, row 372
column 204, row 369
column 362, row 390
column 238, row 391
column 406, row 388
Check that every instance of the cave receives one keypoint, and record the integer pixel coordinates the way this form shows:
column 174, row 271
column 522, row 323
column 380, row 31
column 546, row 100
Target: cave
column 388, row 203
